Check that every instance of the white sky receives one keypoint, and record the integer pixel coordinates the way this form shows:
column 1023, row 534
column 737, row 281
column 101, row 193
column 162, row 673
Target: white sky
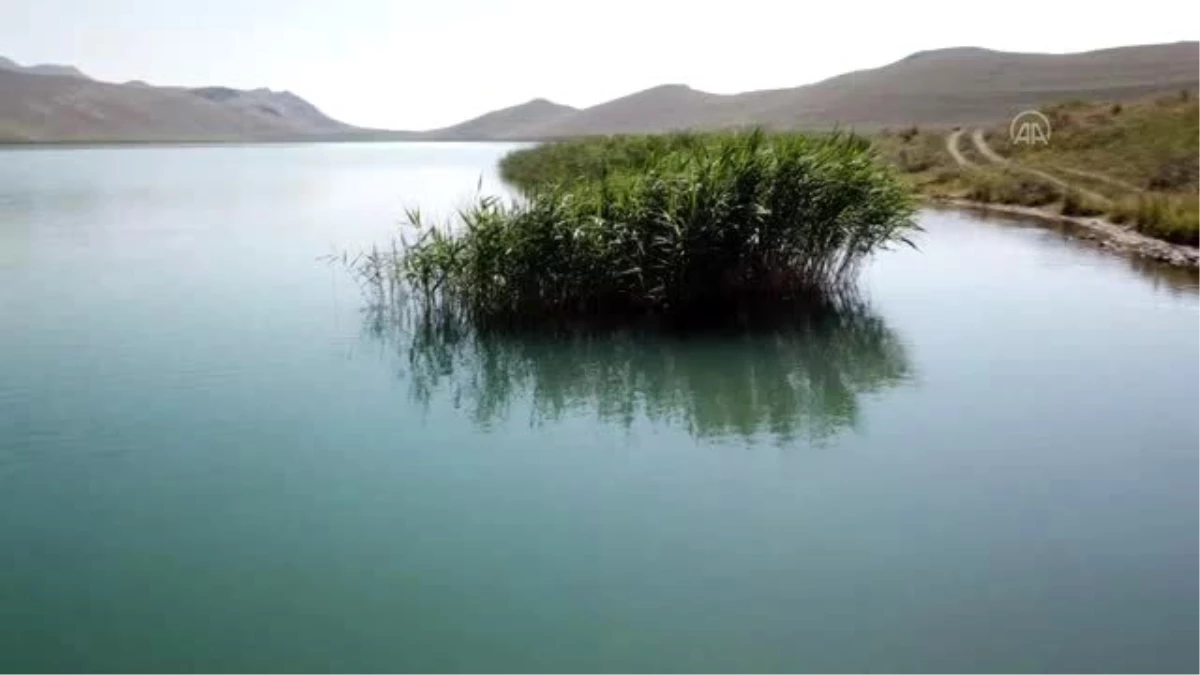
column 429, row 63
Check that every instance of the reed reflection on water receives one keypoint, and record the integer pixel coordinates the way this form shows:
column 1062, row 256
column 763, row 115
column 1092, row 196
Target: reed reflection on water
column 796, row 372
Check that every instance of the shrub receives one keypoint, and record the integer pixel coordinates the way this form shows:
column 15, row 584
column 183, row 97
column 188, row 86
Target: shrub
column 944, row 176
column 1174, row 218
column 1076, row 204
column 1175, row 173
column 1004, row 187
column 914, row 161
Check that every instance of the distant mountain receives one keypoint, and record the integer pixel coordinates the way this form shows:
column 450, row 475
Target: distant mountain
column 61, row 71
column 59, row 103
column 969, row 85
column 42, row 69
column 518, row 122
column 666, row 107
column 943, row 87
column 283, row 105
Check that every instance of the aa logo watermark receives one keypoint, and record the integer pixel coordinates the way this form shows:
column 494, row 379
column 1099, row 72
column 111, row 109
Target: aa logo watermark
column 1029, row 127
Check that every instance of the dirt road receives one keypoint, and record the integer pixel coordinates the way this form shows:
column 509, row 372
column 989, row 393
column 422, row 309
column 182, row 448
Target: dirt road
column 952, row 148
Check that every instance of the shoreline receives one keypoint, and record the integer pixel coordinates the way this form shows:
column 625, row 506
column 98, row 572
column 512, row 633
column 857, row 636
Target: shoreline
column 1103, row 232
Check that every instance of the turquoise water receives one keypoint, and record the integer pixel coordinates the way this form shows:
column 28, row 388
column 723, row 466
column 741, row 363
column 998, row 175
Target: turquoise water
column 214, row 458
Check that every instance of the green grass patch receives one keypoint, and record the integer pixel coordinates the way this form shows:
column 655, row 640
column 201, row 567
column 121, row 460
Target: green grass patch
column 11, row 132
column 1174, row 218
column 997, row 186
column 1142, row 157
column 914, row 151
column 1152, row 144
column 1075, row 203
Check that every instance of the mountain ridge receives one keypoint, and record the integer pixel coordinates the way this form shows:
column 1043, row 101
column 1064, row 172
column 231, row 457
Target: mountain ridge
column 509, row 123
column 944, row 87
column 50, row 104
column 43, row 69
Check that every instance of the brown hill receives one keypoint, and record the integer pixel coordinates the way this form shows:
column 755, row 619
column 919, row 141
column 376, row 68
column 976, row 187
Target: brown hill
column 42, row 69
column 662, row 108
column 63, row 107
column 283, row 105
column 941, row 87
column 518, row 122
column 969, row 85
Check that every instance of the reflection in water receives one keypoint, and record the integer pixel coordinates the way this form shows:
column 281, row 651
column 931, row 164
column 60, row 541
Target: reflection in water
column 1176, row 280
column 798, row 374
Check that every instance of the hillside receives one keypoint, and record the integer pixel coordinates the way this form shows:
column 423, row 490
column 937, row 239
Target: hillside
column 519, row 122
column 1148, row 144
column 59, row 103
column 663, row 108
column 1133, row 162
column 972, row 85
column 945, row 87
column 42, row 69
column 283, row 105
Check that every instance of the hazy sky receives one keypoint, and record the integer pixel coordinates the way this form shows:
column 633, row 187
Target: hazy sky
column 415, row 65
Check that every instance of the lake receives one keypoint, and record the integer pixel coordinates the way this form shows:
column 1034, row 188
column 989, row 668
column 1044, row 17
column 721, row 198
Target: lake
column 216, row 454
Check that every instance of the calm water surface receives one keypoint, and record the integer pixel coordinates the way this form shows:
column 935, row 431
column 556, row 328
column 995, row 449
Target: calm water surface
column 212, row 458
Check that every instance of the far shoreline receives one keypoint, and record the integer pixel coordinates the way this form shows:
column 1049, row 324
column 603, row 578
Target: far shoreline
column 1101, row 232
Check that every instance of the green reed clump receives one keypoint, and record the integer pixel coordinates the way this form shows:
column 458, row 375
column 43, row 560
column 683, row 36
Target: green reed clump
column 682, row 223
column 594, row 158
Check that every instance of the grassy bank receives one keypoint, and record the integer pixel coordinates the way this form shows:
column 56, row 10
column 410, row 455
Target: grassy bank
column 1151, row 144
column 681, row 224
column 1135, row 163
